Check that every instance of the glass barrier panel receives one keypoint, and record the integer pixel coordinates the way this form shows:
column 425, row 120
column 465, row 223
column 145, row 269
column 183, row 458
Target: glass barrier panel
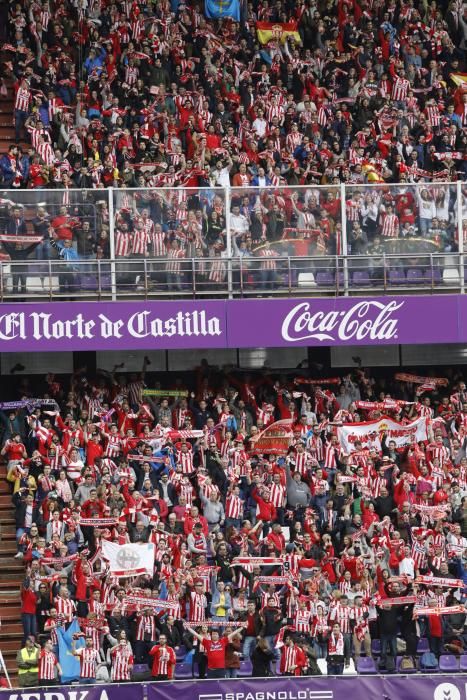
column 171, row 226
column 401, row 219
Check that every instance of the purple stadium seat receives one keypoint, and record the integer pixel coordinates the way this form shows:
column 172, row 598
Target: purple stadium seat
column 245, row 670
column 448, row 663
column 340, row 279
column 325, row 279
column 365, row 664
column 140, row 668
column 415, row 275
column 398, row 666
column 183, row 671
column 463, row 662
column 432, row 276
column 89, row 282
column 397, row 276
column 423, row 646
column 361, row 278
column 376, row 646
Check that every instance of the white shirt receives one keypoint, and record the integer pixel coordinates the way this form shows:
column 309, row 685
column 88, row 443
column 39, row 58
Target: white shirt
column 222, row 177
column 260, row 126
column 407, row 567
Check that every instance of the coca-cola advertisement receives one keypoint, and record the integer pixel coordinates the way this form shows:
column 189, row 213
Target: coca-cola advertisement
column 235, row 323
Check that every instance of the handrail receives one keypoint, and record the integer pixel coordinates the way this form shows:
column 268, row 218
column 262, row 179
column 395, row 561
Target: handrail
column 435, row 273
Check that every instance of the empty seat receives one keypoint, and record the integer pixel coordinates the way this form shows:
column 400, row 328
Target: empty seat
column 361, row 278
column 463, row 662
column 376, row 646
column 306, row 279
column 246, row 669
column 448, row 663
column 415, row 275
column 366, row 664
column 423, row 645
column 324, row 279
column 451, row 276
column 433, row 275
column 397, row 276
column 183, row 671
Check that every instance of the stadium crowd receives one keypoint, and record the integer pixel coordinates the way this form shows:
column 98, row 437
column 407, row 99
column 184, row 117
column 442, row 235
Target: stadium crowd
column 158, row 96
column 273, row 543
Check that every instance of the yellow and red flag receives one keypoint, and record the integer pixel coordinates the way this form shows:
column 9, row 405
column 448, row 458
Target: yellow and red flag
column 277, row 31
column 459, row 78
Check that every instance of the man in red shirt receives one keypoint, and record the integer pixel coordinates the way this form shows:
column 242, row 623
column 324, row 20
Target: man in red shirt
column 215, row 650
column 164, row 660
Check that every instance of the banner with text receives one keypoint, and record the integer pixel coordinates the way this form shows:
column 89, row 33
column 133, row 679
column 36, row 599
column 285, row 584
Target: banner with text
column 315, row 688
column 370, row 433
column 416, row 687
column 233, row 323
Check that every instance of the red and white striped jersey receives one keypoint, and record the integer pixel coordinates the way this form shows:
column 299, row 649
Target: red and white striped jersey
column 289, row 659
column 122, row 659
column 390, row 227
column 293, row 140
column 88, row 658
column 302, row 620
column 400, row 88
column 112, row 448
column 198, row 603
column 131, row 75
column 278, row 495
column 419, row 555
column 269, row 262
column 233, row 507
column 173, row 262
column 218, row 270
column 314, row 446
column 158, row 244
column 22, row 99
column 302, row 460
column 358, row 614
column 139, row 242
column 186, row 460
column 66, row 608
column 164, row 657
column 145, row 628
column 47, row 663
column 341, row 614
column 330, row 459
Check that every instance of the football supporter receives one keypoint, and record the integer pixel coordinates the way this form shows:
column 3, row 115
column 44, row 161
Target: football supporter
column 346, row 527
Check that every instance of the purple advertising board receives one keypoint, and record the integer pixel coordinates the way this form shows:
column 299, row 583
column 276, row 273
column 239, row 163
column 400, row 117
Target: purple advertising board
column 237, row 323
column 415, row 687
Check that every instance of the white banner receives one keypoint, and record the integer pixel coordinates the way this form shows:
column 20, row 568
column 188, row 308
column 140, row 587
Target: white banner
column 369, row 433
column 129, row 559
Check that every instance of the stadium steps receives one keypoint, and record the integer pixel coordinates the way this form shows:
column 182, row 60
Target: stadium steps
column 7, row 129
column 11, row 629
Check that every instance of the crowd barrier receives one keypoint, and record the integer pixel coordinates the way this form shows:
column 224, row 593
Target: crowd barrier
column 414, row 687
column 204, row 242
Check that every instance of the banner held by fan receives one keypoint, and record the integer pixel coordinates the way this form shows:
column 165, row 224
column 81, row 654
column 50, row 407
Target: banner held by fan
column 129, row 559
column 275, row 439
column 369, row 433
column 277, row 31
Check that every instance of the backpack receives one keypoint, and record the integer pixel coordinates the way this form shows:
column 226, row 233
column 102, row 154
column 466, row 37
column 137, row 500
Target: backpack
column 407, row 664
column 428, row 660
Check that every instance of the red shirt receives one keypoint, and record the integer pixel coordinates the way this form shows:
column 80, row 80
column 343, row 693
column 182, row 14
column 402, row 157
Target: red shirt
column 215, row 651
column 28, row 601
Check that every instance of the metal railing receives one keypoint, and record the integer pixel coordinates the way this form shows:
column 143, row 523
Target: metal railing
column 328, row 239
column 233, row 277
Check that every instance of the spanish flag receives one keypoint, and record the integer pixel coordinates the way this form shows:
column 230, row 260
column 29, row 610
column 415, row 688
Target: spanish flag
column 459, row 78
column 277, row 31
